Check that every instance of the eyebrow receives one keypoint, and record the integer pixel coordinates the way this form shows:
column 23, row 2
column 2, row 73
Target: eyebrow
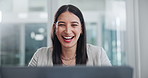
column 60, row 22
column 65, row 22
column 75, row 22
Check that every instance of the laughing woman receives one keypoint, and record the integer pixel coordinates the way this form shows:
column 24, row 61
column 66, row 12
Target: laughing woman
column 69, row 47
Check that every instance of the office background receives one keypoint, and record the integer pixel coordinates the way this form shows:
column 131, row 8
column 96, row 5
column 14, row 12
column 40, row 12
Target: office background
column 119, row 26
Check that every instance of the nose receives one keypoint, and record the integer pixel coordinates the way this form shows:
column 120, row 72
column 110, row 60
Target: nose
column 68, row 29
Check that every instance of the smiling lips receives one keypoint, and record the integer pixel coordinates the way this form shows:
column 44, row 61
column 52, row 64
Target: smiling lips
column 68, row 39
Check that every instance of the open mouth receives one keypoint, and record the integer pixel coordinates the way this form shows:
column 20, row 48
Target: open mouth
column 67, row 39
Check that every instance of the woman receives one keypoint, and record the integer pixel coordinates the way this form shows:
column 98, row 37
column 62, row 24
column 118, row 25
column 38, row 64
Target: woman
column 69, row 46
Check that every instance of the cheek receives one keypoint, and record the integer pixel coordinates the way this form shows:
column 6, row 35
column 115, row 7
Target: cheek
column 78, row 31
column 59, row 31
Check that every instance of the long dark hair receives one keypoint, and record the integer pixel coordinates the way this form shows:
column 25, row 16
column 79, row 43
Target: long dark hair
column 81, row 51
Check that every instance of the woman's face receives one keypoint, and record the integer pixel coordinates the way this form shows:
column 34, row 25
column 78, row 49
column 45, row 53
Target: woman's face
column 68, row 29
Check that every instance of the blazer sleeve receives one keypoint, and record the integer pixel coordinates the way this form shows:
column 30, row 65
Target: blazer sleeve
column 104, row 58
column 34, row 59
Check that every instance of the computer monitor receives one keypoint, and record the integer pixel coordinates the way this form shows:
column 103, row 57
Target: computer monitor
column 67, row 72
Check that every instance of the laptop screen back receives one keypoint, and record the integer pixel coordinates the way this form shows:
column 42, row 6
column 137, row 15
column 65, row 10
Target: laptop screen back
column 66, row 72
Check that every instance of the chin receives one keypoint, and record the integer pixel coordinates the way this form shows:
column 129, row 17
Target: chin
column 68, row 45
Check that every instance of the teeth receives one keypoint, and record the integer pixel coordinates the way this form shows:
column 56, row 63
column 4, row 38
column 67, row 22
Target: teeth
column 67, row 37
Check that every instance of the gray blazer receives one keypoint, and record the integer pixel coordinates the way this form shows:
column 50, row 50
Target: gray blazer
column 96, row 57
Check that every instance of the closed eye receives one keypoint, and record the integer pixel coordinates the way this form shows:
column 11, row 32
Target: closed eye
column 61, row 24
column 74, row 25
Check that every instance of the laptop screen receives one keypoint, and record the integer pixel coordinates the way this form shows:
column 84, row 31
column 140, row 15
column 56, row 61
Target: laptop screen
column 66, row 72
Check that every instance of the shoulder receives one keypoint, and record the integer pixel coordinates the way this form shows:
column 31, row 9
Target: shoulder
column 95, row 49
column 42, row 57
column 98, row 55
column 43, row 51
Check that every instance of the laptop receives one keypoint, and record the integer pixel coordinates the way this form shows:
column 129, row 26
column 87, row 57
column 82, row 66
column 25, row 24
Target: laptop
column 67, row 72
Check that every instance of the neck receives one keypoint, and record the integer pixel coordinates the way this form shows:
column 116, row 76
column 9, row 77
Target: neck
column 68, row 52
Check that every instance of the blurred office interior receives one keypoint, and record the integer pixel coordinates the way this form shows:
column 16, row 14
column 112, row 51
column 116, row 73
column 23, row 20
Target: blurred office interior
column 119, row 26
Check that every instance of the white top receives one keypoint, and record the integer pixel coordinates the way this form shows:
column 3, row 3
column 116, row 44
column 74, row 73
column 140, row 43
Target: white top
column 96, row 57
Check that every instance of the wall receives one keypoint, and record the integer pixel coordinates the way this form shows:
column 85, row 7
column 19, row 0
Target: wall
column 143, row 36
